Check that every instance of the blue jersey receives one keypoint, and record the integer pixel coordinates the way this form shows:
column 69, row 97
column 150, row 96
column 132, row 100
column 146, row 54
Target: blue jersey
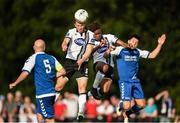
column 44, row 68
column 127, row 62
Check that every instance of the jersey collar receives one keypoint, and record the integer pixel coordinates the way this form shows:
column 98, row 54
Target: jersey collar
column 40, row 53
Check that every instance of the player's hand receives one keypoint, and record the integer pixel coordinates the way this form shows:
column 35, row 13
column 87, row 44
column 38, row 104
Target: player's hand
column 162, row 39
column 64, row 48
column 102, row 43
column 12, row 85
column 111, row 48
column 60, row 73
column 79, row 62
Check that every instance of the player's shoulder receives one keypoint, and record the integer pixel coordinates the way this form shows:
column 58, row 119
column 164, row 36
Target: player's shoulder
column 90, row 32
column 33, row 56
column 138, row 50
column 72, row 30
column 109, row 36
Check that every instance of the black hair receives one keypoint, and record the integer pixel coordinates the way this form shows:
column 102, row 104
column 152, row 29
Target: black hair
column 135, row 36
column 94, row 26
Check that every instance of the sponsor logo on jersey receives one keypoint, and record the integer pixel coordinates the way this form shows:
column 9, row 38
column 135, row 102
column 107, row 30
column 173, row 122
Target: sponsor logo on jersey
column 80, row 41
column 102, row 49
column 130, row 58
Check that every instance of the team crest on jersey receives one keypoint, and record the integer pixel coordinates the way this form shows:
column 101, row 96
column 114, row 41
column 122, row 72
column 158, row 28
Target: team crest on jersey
column 80, row 41
column 102, row 49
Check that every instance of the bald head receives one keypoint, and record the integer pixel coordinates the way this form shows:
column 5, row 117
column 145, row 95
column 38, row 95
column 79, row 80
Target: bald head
column 39, row 45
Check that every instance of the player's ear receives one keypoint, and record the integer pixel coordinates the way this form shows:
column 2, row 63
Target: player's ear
column 34, row 47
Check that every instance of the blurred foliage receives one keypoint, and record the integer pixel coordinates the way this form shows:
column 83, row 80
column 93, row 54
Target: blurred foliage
column 23, row 21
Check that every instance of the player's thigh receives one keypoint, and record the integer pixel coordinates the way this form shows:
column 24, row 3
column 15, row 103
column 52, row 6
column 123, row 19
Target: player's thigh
column 110, row 73
column 137, row 91
column 70, row 66
column 83, row 71
column 138, row 94
column 125, row 90
column 45, row 107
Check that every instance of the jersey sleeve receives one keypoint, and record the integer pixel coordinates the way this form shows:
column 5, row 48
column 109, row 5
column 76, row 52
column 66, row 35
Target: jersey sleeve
column 143, row 53
column 113, row 38
column 58, row 66
column 29, row 64
column 117, row 50
column 91, row 38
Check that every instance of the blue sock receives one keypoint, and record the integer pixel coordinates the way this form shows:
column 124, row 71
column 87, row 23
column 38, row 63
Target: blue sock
column 134, row 109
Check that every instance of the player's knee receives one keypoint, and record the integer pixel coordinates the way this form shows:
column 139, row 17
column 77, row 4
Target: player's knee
column 141, row 104
column 40, row 118
column 58, row 88
column 105, row 68
column 126, row 105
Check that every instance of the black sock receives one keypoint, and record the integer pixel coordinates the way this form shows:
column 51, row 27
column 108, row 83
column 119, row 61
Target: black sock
column 133, row 109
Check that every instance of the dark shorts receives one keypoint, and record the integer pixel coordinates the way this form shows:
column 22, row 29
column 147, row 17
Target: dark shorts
column 45, row 107
column 130, row 90
column 109, row 74
column 71, row 67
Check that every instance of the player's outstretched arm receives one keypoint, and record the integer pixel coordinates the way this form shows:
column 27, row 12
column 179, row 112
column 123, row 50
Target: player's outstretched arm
column 156, row 51
column 21, row 77
column 161, row 94
column 122, row 43
column 64, row 44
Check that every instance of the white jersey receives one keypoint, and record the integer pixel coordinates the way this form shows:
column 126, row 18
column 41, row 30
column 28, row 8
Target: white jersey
column 98, row 54
column 78, row 43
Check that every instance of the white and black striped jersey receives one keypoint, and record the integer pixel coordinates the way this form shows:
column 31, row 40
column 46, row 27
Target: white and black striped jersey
column 98, row 54
column 78, row 43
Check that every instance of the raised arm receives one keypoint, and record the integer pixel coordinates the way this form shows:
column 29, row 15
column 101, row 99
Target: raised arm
column 64, row 44
column 121, row 43
column 21, row 77
column 156, row 51
column 161, row 94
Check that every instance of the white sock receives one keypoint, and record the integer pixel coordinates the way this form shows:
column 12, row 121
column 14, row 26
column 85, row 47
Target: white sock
column 82, row 102
column 57, row 96
column 98, row 79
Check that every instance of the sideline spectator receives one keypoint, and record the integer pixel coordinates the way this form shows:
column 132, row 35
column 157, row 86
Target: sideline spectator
column 3, row 114
column 91, row 109
column 60, row 110
column 106, row 110
column 71, row 101
column 27, row 111
column 10, row 107
column 150, row 112
column 167, row 110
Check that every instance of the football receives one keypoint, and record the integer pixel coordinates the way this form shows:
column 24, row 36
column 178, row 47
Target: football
column 81, row 15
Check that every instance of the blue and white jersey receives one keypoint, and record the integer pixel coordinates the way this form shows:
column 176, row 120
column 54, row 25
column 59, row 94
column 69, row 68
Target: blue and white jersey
column 127, row 62
column 78, row 43
column 44, row 67
column 98, row 54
